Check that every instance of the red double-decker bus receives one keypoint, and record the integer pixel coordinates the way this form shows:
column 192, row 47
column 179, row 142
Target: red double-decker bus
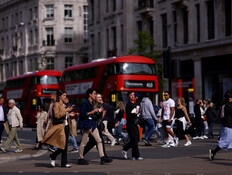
column 112, row 77
column 31, row 90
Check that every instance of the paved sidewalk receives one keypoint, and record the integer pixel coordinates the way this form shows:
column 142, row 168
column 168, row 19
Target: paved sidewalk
column 27, row 152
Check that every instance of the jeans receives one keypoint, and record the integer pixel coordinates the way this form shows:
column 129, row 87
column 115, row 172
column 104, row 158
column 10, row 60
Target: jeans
column 73, row 140
column 149, row 128
column 210, row 129
column 118, row 130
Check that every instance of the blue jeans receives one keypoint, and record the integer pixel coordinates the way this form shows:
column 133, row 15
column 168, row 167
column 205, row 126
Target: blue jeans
column 118, row 130
column 73, row 140
column 149, row 128
column 210, row 129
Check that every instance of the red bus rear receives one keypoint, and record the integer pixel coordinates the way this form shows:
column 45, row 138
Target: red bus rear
column 32, row 90
column 112, row 77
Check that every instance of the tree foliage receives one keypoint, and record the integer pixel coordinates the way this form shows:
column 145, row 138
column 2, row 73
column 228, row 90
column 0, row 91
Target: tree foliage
column 144, row 46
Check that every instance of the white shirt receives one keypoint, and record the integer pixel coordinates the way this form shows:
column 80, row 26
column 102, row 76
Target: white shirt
column 166, row 106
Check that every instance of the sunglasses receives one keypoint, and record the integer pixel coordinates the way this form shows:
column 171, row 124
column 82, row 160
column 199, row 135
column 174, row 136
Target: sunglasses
column 165, row 95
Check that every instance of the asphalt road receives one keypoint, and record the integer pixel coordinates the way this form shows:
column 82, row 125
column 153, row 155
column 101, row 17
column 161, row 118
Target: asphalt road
column 181, row 160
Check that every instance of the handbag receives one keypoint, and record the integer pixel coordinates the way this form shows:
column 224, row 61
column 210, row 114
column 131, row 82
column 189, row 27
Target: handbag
column 101, row 125
column 139, row 120
column 56, row 121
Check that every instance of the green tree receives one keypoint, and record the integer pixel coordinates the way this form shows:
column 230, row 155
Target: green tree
column 144, row 46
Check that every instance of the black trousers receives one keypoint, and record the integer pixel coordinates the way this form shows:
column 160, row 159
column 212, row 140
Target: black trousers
column 1, row 129
column 133, row 133
column 63, row 152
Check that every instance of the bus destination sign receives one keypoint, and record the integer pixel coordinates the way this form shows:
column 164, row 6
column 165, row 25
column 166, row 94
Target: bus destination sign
column 139, row 84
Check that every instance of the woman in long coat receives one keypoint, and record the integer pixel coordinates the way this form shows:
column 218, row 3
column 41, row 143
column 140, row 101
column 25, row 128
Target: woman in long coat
column 42, row 118
column 58, row 132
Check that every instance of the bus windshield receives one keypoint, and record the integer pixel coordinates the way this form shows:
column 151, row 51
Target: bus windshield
column 135, row 68
column 47, row 80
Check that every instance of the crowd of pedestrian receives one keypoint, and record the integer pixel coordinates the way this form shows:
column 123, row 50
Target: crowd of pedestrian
column 168, row 122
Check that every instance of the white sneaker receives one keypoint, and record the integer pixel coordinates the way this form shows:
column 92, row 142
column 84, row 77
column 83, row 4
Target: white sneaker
column 3, row 149
column 172, row 143
column 201, row 137
column 67, row 166
column 18, row 150
column 188, row 143
column 139, row 158
column 52, row 162
column 176, row 141
column 113, row 142
column 194, row 138
column 124, row 153
column 167, row 145
column 205, row 137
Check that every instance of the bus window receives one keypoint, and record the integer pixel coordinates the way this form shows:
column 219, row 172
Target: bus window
column 48, row 80
column 135, row 68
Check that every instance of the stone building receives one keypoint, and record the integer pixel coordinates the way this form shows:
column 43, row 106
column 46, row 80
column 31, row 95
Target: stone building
column 195, row 35
column 41, row 34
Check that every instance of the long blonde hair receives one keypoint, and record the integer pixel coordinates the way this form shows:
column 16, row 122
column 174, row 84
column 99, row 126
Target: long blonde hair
column 121, row 106
column 182, row 101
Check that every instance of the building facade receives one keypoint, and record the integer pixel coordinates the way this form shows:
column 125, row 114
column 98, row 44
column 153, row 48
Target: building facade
column 41, row 34
column 195, row 35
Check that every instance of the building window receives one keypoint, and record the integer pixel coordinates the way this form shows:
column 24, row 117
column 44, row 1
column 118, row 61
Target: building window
column 93, row 56
column 113, row 5
column 7, row 71
column 68, row 36
column 35, row 12
column 228, row 17
column 210, row 17
column 12, row 20
column 16, row 18
column 21, row 40
column 30, row 14
column 107, row 39
column 36, row 37
column 107, row 6
column 114, row 35
column 68, row 11
column 145, row 3
column 198, row 22
column 50, row 63
column 164, row 30
column 175, row 26
column 122, row 4
column 85, row 20
column 31, row 38
column 30, row 67
column 1, row 75
column 20, row 16
column 122, row 38
column 2, row 45
column 68, row 61
column 49, row 11
column 21, row 68
column 185, row 25
column 50, row 37
column 139, row 26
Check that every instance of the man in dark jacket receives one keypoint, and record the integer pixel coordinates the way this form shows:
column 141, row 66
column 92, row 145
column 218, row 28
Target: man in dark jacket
column 3, row 117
